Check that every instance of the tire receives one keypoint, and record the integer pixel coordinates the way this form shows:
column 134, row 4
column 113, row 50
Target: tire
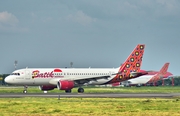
column 24, row 91
column 68, row 91
column 80, row 90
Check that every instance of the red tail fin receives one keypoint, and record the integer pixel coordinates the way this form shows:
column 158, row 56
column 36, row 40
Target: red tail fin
column 134, row 61
column 164, row 69
column 161, row 73
column 131, row 64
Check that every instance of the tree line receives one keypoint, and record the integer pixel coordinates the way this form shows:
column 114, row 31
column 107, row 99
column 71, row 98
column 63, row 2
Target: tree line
column 2, row 77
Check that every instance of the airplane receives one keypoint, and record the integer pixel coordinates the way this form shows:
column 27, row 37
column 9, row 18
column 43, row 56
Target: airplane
column 165, row 76
column 162, row 73
column 68, row 78
column 152, row 76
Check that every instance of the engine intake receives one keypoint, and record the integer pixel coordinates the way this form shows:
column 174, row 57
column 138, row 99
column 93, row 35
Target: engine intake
column 65, row 85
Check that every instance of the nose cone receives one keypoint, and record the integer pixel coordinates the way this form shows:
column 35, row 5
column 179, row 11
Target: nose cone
column 8, row 80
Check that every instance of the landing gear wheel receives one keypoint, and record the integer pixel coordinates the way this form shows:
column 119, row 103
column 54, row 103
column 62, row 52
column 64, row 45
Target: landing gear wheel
column 68, row 91
column 80, row 90
column 24, row 91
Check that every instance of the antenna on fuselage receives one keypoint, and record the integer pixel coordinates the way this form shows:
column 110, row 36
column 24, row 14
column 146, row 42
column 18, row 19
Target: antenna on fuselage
column 71, row 63
column 15, row 64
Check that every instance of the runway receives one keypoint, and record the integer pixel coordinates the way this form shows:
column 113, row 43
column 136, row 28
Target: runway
column 91, row 95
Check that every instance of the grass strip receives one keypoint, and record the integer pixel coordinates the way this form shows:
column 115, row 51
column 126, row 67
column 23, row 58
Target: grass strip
column 147, row 89
column 30, row 106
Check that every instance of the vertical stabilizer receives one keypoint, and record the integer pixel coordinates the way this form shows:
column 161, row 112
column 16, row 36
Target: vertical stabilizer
column 160, row 74
column 131, row 65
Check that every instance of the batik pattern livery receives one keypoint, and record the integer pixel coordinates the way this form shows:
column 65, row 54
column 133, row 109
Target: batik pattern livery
column 132, row 64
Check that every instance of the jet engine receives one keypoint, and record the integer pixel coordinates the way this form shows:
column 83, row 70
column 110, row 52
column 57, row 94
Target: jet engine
column 65, row 85
column 46, row 87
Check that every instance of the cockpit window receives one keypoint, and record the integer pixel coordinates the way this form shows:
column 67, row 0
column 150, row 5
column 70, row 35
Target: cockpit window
column 15, row 74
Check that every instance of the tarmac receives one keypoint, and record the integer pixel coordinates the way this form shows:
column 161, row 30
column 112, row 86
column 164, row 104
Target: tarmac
column 90, row 95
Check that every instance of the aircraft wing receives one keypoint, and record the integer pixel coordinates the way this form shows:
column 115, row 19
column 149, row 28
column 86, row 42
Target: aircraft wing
column 86, row 79
column 137, row 74
column 80, row 80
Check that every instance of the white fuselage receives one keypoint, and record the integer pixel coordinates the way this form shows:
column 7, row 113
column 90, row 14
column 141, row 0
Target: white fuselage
column 140, row 80
column 50, row 76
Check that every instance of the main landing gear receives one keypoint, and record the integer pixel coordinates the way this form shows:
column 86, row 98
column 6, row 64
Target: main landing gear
column 25, row 89
column 80, row 90
column 68, row 91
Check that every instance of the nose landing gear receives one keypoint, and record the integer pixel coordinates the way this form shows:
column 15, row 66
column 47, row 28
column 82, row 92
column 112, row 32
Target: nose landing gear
column 25, row 89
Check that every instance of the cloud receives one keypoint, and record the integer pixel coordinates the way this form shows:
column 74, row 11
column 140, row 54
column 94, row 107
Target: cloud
column 158, row 7
column 8, row 19
column 169, row 7
column 142, row 8
column 81, row 18
column 9, row 23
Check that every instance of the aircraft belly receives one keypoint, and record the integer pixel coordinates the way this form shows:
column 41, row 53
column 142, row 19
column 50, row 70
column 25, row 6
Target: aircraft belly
column 41, row 81
column 133, row 82
column 33, row 82
column 141, row 80
column 23, row 82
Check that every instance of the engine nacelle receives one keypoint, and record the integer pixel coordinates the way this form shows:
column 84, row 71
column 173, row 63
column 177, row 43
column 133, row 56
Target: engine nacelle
column 65, row 85
column 46, row 87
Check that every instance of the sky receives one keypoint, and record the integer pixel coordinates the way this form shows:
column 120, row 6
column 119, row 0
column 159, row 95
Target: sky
column 89, row 33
